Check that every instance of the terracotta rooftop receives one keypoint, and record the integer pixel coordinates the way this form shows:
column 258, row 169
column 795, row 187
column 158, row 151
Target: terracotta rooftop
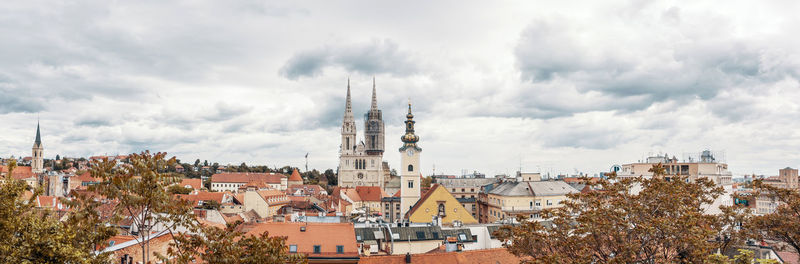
column 245, row 177
column 85, row 177
column 370, row 193
column 196, row 184
column 50, row 202
column 328, row 236
column 496, row 255
column 20, row 172
column 295, row 176
column 204, row 196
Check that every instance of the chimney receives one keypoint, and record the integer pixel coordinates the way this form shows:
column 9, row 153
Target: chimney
column 408, row 257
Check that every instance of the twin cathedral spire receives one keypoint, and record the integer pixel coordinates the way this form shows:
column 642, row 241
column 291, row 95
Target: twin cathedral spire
column 361, row 163
column 373, row 126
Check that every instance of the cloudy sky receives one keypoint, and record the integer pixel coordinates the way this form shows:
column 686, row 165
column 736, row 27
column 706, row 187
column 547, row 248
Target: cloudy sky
column 551, row 86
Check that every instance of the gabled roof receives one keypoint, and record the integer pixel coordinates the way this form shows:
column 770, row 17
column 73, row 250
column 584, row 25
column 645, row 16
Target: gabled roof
column 434, row 188
column 245, row 177
column 423, row 198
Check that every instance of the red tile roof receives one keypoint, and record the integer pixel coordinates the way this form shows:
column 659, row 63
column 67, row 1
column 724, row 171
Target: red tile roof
column 789, row 257
column 204, row 196
column 20, row 172
column 326, row 235
column 496, row 255
column 50, row 202
column 370, row 193
column 245, row 177
column 196, row 184
column 86, row 177
column 295, row 176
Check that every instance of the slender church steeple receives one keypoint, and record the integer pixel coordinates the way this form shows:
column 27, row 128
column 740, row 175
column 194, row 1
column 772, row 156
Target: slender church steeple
column 348, row 125
column 37, row 163
column 374, row 96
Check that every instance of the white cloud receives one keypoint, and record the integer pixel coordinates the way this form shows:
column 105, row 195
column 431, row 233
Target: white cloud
column 544, row 86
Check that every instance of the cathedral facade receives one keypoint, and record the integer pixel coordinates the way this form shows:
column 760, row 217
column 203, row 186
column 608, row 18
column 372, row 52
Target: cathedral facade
column 361, row 162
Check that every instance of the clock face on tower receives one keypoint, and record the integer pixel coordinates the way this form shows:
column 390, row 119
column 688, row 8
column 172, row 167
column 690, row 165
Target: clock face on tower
column 410, row 152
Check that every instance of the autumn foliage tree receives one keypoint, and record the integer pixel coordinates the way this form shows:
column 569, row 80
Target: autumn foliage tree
column 784, row 223
column 625, row 220
column 31, row 235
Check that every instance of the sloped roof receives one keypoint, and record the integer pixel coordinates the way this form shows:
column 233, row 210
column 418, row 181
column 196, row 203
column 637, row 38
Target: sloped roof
column 370, row 193
column 196, row 184
column 536, row 188
column 245, row 177
column 495, row 255
column 86, row 177
column 325, row 235
column 20, row 172
column 295, row 176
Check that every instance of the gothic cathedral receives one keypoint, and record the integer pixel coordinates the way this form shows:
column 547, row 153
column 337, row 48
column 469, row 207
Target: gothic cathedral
column 361, row 163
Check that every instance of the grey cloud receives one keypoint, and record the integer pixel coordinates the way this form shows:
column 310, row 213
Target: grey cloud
column 225, row 111
column 558, row 51
column 14, row 99
column 375, row 57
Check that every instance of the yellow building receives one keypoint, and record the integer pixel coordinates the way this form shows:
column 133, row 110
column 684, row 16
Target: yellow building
column 439, row 203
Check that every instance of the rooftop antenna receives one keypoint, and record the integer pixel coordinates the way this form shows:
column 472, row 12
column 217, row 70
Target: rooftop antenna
column 306, row 161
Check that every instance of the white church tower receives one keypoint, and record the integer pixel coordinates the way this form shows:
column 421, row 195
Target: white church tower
column 37, row 164
column 409, row 165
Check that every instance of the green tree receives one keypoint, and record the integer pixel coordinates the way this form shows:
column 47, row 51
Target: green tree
column 426, row 182
column 331, row 176
column 662, row 223
column 30, row 235
column 139, row 190
column 216, row 245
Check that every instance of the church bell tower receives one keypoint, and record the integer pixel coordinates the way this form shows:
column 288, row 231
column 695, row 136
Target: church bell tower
column 37, row 164
column 409, row 160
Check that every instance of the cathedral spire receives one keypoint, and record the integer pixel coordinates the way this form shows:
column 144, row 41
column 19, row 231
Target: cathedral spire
column 348, row 108
column 38, row 141
column 374, row 96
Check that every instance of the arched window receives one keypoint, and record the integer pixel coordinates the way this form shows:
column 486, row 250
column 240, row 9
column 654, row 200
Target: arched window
column 410, row 168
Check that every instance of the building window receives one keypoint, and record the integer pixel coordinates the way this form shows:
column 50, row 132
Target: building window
column 435, row 235
column 441, row 209
column 420, row 235
column 410, row 167
column 339, row 249
column 316, row 249
column 410, row 184
column 292, row 248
